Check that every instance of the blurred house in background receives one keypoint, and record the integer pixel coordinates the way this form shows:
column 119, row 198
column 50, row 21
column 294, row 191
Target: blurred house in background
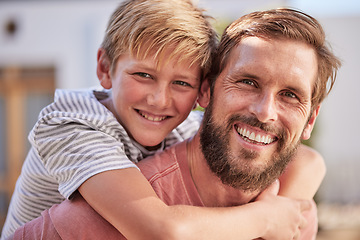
column 43, row 45
column 52, row 44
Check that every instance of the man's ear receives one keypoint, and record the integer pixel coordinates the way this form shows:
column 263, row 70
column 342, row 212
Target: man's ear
column 310, row 125
column 204, row 94
column 103, row 69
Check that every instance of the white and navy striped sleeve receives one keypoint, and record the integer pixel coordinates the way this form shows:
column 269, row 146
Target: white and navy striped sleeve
column 76, row 138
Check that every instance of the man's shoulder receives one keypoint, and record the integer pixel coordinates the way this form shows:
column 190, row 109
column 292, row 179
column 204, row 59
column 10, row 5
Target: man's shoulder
column 162, row 163
column 168, row 173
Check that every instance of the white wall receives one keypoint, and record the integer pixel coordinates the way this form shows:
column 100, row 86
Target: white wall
column 338, row 130
column 64, row 34
column 232, row 9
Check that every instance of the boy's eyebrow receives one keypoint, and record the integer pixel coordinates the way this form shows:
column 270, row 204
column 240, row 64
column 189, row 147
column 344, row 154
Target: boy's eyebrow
column 187, row 76
column 152, row 68
column 146, row 66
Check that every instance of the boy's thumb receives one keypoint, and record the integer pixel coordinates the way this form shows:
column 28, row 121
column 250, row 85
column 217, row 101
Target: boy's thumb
column 273, row 189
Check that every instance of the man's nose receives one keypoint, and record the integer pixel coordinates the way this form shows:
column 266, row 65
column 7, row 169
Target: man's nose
column 264, row 108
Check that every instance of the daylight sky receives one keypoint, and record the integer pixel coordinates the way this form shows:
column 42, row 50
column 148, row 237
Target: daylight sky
column 328, row 7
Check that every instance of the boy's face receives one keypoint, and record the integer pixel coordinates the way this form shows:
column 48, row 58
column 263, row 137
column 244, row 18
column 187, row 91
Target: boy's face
column 150, row 100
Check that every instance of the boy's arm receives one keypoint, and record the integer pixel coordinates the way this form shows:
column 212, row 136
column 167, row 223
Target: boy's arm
column 301, row 180
column 303, row 175
column 128, row 202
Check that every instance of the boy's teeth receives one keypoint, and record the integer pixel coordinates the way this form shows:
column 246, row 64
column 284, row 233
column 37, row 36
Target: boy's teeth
column 151, row 118
column 263, row 139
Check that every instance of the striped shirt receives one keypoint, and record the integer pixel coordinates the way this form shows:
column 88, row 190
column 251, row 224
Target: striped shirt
column 75, row 138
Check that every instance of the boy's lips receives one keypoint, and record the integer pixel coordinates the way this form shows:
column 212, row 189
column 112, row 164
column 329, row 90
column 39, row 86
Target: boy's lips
column 152, row 117
column 256, row 137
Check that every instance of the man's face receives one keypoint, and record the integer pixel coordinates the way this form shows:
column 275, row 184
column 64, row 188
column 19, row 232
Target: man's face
column 259, row 111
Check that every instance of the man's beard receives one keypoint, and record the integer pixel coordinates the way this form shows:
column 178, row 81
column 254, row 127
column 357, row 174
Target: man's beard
column 236, row 169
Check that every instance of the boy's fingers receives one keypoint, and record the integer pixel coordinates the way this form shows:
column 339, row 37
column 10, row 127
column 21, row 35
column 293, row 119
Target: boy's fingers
column 303, row 223
column 297, row 235
column 305, row 205
column 273, row 189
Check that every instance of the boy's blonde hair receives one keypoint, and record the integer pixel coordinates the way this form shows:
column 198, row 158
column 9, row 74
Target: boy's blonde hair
column 144, row 27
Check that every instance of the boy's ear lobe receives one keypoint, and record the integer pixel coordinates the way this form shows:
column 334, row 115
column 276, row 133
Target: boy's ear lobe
column 204, row 94
column 311, row 123
column 103, row 69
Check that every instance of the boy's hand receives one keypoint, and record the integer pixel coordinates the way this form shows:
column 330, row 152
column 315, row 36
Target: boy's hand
column 284, row 216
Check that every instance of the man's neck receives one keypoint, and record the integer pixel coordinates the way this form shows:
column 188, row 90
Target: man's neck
column 212, row 191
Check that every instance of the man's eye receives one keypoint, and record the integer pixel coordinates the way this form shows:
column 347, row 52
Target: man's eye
column 289, row 94
column 182, row 83
column 248, row 82
column 144, row 75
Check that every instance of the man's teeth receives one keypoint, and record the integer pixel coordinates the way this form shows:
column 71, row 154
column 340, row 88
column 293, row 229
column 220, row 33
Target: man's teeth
column 152, row 118
column 264, row 139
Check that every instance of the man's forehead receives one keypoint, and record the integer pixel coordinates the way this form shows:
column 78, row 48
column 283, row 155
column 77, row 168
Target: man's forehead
column 273, row 58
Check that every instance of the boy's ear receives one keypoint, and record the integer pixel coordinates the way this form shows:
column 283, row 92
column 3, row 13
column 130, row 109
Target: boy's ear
column 311, row 123
column 204, row 94
column 103, row 69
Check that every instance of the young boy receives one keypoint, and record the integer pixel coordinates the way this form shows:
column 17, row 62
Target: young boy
column 154, row 55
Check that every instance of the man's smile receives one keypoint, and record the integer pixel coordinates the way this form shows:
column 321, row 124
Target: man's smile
column 252, row 137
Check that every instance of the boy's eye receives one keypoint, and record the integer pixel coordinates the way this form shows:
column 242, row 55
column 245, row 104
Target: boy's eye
column 182, row 83
column 142, row 74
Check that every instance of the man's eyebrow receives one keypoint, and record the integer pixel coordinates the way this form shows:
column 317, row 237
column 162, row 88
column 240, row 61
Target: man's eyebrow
column 299, row 91
column 249, row 75
column 238, row 73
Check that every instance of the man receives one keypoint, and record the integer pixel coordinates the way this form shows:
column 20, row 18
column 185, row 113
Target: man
column 262, row 98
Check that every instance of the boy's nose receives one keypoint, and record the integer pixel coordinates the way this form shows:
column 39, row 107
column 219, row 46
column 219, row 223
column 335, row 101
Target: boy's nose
column 160, row 98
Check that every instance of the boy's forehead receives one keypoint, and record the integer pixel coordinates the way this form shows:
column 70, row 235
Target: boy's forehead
column 162, row 57
column 182, row 68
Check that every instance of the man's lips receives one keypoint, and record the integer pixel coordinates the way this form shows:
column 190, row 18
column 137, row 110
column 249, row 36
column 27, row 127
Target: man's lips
column 152, row 117
column 255, row 137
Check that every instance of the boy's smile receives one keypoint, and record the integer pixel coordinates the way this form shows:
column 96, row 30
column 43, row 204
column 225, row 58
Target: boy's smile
column 151, row 117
